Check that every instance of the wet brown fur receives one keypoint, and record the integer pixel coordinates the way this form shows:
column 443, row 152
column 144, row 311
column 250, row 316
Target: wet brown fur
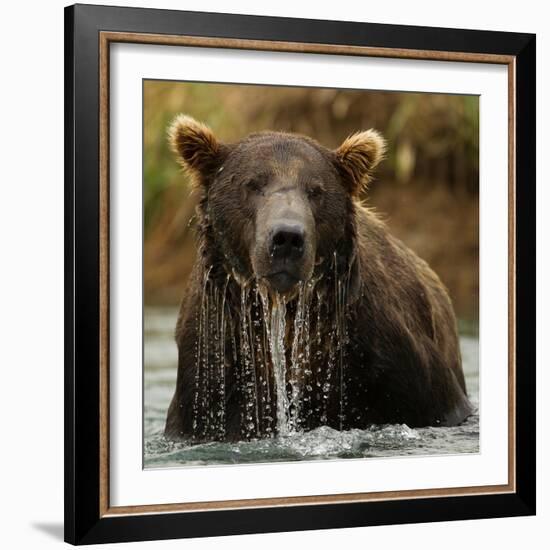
column 403, row 361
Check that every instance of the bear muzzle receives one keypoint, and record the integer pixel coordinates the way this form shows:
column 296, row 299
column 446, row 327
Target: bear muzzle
column 286, row 251
column 283, row 251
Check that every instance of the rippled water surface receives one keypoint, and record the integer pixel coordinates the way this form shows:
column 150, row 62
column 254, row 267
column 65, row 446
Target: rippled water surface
column 160, row 355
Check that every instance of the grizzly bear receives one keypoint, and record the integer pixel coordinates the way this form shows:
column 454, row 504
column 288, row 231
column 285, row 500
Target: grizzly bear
column 302, row 310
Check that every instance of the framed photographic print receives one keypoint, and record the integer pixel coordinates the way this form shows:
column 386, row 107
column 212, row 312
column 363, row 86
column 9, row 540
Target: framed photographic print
column 299, row 274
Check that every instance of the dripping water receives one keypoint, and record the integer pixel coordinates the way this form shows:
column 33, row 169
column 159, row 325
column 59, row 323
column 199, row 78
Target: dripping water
column 286, row 358
column 277, row 332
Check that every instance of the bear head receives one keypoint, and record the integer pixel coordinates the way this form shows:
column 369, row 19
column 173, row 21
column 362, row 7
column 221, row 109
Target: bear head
column 276, row 206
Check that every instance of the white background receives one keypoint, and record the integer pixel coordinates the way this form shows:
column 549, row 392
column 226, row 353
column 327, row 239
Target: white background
column 31, row 293
column 130, row 484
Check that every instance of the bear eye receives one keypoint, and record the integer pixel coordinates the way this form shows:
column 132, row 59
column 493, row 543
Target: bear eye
column 315, row 191
column 255, row 184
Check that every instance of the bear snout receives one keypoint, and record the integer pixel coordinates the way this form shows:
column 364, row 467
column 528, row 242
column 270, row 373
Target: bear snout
column 283, row 252
column 287, row 261
column 287, row 241
column 287, row 247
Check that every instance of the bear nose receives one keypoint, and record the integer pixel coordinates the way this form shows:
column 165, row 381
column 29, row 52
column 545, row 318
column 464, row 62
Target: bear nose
column 287, row 241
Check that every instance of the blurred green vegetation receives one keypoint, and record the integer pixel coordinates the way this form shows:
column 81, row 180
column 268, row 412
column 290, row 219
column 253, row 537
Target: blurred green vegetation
column 426, row 189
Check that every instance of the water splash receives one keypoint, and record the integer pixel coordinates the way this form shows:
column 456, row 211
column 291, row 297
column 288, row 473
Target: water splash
column 322, row 443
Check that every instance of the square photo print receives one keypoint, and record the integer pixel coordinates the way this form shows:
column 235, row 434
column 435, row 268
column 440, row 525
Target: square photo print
column 310, row 274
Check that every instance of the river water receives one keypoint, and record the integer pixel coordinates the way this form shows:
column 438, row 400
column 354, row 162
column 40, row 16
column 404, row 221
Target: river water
column 160, row 358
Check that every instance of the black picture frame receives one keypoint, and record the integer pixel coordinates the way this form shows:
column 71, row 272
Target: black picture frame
column 84, row 524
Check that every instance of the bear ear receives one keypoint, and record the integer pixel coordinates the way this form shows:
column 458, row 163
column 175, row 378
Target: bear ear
column 195, row 146
column 358, row 155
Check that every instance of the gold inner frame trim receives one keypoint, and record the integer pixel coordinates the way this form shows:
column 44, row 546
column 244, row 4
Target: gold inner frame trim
column 105, row 39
